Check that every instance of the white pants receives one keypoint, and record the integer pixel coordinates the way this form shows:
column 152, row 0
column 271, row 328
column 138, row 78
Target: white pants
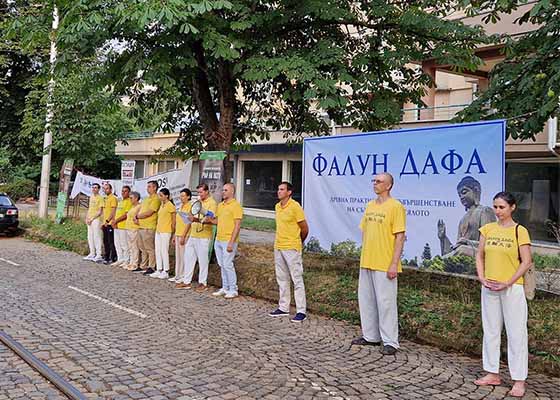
column 508, row 306
column 95, row 238
column 196, row 249
column 289, row 266
column 179, row 258
column 121, row 245
column 225, row 261
column 162, row 251
column 377, row 298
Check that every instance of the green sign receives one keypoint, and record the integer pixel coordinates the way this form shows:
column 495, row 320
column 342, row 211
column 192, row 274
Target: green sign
column 60, row 205
column 212, row 155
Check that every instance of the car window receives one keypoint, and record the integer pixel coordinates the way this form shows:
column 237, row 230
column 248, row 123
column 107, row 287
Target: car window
column 5, row 201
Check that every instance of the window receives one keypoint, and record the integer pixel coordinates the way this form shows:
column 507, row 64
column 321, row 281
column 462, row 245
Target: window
column 535, row 186
column 295, row 179
column 165, row 165
column 260, row 184
column 139, row 169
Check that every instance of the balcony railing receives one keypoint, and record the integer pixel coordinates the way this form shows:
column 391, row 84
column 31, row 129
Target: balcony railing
column 440, row 113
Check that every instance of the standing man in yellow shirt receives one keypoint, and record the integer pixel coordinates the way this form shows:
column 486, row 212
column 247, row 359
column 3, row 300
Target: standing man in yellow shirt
column 199, row 242
column 291, row 231
column 119, row 227
column 147, row 219
column 228, row 218
column 182, row 231
column 109, row 210
column 93, row 222
column 383, row 235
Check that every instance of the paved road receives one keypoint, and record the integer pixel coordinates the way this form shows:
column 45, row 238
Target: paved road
column 117, row 335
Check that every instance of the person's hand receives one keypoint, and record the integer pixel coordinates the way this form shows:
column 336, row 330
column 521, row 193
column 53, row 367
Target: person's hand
column 182, row 241
column 192, row 218
column 88, row 221
column 498, row 286
column 392, row 271
column 173, row 239
column 114, row 224
column 486, row 283
column 229, row 247
column 136, row 220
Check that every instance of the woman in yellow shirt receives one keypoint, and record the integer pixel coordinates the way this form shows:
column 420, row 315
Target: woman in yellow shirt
column 164, row 229
column 182, row 231
column 132, row 233
column 504, row 255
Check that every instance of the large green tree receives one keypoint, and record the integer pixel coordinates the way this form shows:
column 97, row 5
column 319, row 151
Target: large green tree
column 229, row 71
column 525, row 87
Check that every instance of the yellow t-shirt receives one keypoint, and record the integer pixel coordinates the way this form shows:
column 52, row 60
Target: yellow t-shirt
column 95, row 204
column 227, row 214
column 204, row 231
column 379, row 225
column 165, row 217
column 150, row 203
column 180, row 226
column 501, row 251
column 130, row 225
column 122, row 208
column 287, row 229
column 110, row 202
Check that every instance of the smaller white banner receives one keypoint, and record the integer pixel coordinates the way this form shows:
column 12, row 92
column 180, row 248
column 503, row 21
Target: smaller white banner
column 127, row 172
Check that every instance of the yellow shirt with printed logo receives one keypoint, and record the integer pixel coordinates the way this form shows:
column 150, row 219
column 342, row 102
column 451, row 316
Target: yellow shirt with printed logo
column 204, row 231
column 379, row 225
column 165, row 217
column 180, row 226
column 227, row 213
column 501, row 251
column 110, row 203
column 95, row 204
column 122, row 208
column 288, row 232
column 150, row 203
column 130, row 225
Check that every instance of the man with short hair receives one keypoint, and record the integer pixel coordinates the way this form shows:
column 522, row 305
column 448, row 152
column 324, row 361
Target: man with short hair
column 119, row 226
column 147, row 219
column 291, row 231
column 93, row 221
column 109, row 210
column 383, row 236
column 198, row 246
column 228, row 218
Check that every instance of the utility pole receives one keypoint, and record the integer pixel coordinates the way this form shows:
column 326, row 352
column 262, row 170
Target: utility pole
column 46, row 163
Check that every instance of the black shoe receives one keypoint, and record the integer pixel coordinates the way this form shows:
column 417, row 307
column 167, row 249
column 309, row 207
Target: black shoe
column 149, row 271
column 138, row 269
column 388, row 350
column 106, row 262
column 362, row 342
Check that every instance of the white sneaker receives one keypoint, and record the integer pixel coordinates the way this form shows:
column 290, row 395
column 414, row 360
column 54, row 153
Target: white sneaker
column 220, row 292
column 163, row 275
column 155, row 274
column 98, row 259
column 172, row 279
column 89, row 257
column 231, row 295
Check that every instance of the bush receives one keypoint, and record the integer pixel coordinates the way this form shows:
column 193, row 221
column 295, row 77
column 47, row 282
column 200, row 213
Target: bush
column 546, row 261
column 19, row 188
column 346, row 249
column 313, row 246
column 460, row 264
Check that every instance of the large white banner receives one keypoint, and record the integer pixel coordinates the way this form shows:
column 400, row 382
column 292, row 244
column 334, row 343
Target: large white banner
column 174, row 180
column 445, row 176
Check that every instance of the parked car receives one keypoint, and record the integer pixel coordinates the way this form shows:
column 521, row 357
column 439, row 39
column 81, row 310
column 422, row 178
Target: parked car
column 9, row 220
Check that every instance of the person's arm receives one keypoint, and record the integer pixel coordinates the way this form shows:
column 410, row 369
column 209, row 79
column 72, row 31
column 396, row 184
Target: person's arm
column 185, row 234
column 234, row 235
column 173, row 222
column 304, row 230
column 121, row 218
column 480, row 262
column 526, row 261
column 397, row 253
column 145, row 214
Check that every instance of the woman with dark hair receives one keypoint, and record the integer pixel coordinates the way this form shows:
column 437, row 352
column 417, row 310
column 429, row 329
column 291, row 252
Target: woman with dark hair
column 504, row 255
column 182, row 231
column 164, row 229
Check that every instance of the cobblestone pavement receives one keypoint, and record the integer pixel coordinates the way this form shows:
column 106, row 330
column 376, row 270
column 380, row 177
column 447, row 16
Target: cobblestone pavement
column 193, row 346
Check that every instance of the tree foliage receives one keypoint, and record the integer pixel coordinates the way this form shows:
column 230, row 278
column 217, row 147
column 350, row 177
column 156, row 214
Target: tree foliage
column 526, row 85
column 228, row 71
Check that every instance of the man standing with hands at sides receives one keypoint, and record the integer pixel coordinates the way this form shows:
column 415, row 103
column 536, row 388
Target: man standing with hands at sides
column 199, row 243
column 182, row 231
column 93, row 221
column 109, row 210
column 119, row 227
column 228, row 218
column 383, row 236
column 147, row 220
column 291, row 231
